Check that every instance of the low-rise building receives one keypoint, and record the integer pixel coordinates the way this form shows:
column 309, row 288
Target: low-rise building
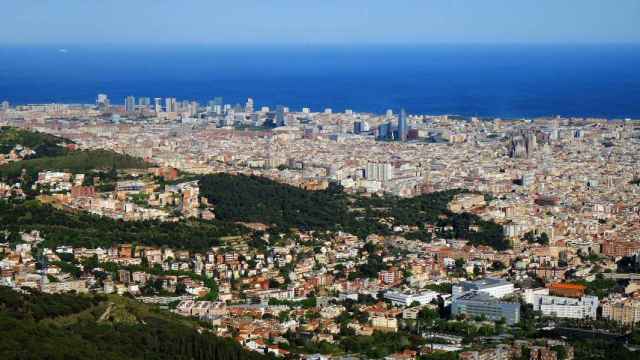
column 478, row 303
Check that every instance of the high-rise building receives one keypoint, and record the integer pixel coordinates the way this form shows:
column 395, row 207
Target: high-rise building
column 248, row 108
column 193, row 108
column 384, row 131
column 171, row 105
column 144, row 102
column 5, row 105
column 157, row 105
column 357, row 127
column 280, row 117
column 378, row 171
column 102, row 99
column 130, row 104
column 402, row 126
column 216, row 105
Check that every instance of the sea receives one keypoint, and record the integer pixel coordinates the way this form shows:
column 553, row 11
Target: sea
column 506, row 81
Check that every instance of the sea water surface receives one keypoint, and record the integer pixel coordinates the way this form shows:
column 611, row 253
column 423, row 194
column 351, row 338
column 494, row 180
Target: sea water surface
column 509, row 81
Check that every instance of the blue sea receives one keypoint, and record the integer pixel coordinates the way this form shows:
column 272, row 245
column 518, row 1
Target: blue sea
column 509, row 81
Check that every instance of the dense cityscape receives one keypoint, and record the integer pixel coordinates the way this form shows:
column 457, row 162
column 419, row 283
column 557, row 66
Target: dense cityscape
column 319, row 234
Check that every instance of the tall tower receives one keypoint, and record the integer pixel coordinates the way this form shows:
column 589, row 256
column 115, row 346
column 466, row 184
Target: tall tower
column 130, row 104
column 248, row 108
column 402, row 126
column 157, row 105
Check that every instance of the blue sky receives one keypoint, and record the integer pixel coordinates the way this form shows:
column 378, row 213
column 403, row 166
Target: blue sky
column 60, row 22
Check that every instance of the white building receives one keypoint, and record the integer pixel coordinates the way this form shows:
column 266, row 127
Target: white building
column 497, row 288
column 378, row 171
column 406, row 299
column 563, row 307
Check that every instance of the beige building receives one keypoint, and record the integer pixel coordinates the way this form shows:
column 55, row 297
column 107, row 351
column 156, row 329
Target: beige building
column 626, row 312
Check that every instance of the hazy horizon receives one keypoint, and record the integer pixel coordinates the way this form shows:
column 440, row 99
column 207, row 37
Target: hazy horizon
column 199, row 22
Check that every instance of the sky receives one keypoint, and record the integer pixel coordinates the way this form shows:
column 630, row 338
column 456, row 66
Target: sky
column 157, row 22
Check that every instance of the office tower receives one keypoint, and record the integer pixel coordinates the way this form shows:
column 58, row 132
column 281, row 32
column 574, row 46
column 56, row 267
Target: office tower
column 280, row 118
column 389, row 113
column 157, row 105
column 5, row 106
column 144, row 102
column 102, row 99
column 184, row 105
column 193, row 108
column 248, row 108
column 402, row 126
column 130, row 104
column 384, row 131
column 306, row 110
column 171, row 105
column 357, row 127
column 216, row 105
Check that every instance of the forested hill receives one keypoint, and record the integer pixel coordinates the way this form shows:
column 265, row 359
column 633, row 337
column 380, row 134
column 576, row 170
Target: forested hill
column 64, row 326
column 82, row 229
column 43, row 144
column 257, row 199
column 52, row 154
column 79, row 161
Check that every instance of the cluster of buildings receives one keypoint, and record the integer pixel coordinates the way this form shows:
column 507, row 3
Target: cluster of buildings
column 140, row 199
column 564, row 191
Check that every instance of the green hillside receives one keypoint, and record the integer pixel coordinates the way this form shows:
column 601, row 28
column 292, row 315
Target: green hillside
column 42, row 144
column 257, row 199
column 76, row 161
column 83, row 229
column 64, row 326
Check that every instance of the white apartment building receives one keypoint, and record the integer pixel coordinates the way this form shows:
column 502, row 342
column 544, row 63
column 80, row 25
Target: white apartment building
column 563, row 307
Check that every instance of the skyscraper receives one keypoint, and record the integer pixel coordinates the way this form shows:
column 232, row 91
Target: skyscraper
column 102, row 102
column 144, row 102
column 402, row 126
column 248, row 108
column 384, row 131
column 280, row 118
column 215, row 105
column 130, row 104
column 157, row 105
column 171, row 105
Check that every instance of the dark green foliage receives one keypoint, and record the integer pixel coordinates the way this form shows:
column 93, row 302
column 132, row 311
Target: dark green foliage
column 256, row 199
column 593, row 349
column 443, row 288
column 42, row 144
column 37, row 306
column 76, row 161
column 530, row 237
column 599, row 287
column 380, row 344
column 628, row 264
column 154, row 336
column 86, row 230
